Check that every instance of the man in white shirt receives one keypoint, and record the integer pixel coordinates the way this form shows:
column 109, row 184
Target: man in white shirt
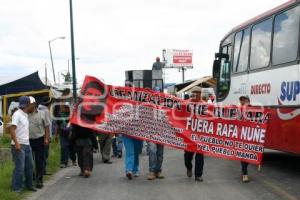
column 21, row 151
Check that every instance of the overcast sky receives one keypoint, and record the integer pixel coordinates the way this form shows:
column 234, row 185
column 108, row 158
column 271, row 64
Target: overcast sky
column 116, row 35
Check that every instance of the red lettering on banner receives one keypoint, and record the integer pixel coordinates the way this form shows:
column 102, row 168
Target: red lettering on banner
column 231, row 132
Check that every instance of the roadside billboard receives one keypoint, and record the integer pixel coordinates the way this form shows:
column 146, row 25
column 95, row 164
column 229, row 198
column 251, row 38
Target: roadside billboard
column 179, row 58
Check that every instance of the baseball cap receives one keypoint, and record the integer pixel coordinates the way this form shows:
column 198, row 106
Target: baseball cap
column 32, row 99
column 24, row 101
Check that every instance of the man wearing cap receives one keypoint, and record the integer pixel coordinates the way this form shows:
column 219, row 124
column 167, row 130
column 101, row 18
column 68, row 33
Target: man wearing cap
column 188, row 156
column 20, row 146
column 244, row 102
column 45, row 107
column 39, row 138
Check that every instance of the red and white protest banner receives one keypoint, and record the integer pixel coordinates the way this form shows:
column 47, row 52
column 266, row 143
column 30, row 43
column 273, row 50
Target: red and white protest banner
column 233, row 133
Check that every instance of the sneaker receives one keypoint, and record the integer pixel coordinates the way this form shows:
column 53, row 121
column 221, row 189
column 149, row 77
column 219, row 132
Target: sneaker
column 199, row 179
column 129, row 175
column 159, row 175
column 189, row 173
column 245, row 178
column 136, row 175
column 151, row 176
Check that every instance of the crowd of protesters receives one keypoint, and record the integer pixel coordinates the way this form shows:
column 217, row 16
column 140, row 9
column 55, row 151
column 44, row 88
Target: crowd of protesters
column 33, row 126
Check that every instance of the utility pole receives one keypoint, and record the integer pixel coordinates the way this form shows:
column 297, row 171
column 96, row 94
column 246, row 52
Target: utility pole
column 49, row 42
column 73, row 53
column 46, row 78
column 58, row 78
column 183, row 71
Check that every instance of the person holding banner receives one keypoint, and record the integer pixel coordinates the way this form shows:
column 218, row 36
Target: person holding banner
column 85, row 141
column 156, row 156
column 188, row 156
column 244, row 102
column 156, row 153
column 133, row 148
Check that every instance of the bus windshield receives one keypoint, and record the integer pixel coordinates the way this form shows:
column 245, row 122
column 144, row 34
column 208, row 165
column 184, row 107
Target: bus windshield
column 223, row 85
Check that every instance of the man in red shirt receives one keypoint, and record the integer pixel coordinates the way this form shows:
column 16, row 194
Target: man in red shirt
column 188, row 156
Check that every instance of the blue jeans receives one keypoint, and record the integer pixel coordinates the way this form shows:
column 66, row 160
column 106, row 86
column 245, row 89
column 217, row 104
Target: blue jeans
column 64, row 150
column 156, row 156
column 23, row 166
column 133, row 148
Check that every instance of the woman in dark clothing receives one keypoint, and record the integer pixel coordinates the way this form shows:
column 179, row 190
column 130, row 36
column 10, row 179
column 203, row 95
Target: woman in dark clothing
column 84, row 141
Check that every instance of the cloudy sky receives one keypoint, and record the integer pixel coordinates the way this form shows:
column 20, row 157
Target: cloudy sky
column 116, row 35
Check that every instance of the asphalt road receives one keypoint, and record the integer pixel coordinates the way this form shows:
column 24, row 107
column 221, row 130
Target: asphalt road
column 279, row 179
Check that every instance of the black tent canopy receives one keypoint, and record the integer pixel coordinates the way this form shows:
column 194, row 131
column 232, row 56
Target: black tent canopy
column 29, row 83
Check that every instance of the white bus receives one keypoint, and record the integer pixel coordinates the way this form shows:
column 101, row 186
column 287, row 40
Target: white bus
column 260, row 58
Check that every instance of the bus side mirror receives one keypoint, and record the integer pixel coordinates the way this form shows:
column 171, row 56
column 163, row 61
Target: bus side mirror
column 216, row 68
